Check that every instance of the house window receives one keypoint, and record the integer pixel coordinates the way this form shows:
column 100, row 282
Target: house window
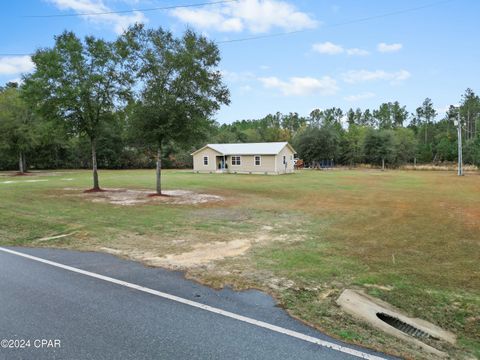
column 284, row 159
column 235, row 160
column 257, row 160
column 205, row 160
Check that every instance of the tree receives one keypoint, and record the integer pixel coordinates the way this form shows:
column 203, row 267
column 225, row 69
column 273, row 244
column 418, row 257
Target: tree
column 352, row 145
column 379, row 147
column 399, row 114
column 425, row 115
column 367, row 119
column 292, row 122
column 350, row 117
column 181, row 88
column 405, row 145
column 315, row 144
column 383, row 116
column 470, row 113
column 326, row 117
column 82, row 82
column 17, row 124
column 390, row 115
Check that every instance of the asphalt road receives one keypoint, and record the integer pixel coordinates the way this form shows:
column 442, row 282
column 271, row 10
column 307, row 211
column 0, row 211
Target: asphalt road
column 90, row 318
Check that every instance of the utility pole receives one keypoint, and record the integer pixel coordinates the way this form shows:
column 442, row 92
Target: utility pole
column 460, row 159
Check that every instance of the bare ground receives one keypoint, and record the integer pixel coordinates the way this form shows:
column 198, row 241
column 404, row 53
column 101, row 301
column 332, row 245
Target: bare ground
column 129, row 197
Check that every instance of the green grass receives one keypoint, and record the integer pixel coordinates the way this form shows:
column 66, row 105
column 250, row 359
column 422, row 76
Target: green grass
column 417, row 233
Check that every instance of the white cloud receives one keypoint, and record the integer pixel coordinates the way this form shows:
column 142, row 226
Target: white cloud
column 237, row 77
column 330, row 48
column 356, row 76
column 10, row 65
column 300, row 86
column 359, row 97
column 357, row 52
column 385, row 48
column 257, row 16
column 120, row 22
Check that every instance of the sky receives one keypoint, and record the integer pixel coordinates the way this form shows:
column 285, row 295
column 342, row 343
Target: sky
column 295, row 56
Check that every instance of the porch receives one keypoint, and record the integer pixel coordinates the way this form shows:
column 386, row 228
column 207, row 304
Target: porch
column 221, row 164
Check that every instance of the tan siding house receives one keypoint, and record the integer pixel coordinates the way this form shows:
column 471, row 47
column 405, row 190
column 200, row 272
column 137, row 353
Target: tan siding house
column 248, row 158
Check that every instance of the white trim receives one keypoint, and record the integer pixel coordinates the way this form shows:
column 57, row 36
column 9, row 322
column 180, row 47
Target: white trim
column 208, row 160
column 239, row 159
column 251, row 321
column 276, row 164
column 203, row 148
column 255, row 160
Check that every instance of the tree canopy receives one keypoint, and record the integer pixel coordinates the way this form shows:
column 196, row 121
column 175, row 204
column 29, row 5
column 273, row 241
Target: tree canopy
column 82, row 83
column 181, row 88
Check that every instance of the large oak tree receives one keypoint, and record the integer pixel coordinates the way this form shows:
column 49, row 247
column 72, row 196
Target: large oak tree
column 180, row 89
column 82, row 82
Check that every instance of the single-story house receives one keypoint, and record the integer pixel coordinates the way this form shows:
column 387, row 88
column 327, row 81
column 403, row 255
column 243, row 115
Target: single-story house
column 249, row 158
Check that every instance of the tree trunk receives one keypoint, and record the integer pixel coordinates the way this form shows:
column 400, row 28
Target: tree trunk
column 383, row 164
column 21, row 164
column 426, row 132
column 159, row 171
column 96, row 185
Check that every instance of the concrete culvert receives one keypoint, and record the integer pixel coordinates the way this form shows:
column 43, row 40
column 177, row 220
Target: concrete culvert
column 404, row 327
column 392, row 321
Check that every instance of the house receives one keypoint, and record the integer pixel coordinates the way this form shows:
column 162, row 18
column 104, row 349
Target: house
column 249, row 158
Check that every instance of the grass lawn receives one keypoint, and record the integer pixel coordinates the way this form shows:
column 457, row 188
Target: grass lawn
column 409, row 238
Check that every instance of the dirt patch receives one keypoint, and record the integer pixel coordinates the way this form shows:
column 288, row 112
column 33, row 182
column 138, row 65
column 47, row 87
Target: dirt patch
column 279, row 283
column 201, row 254
column 325, row 294
column 197, row 255
column 22, row 181
column 380, row 287
column 93, row 191
column 129, row 197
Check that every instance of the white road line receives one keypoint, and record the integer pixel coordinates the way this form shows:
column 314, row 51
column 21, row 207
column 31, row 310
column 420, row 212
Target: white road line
column 229, row 314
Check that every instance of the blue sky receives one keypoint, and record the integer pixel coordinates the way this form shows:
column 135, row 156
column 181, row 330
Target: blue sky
column 333, row 59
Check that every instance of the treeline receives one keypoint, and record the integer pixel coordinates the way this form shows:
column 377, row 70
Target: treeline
column 388, row 135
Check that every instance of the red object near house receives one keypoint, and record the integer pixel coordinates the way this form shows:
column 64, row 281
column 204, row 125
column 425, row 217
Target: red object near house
column 299, row 164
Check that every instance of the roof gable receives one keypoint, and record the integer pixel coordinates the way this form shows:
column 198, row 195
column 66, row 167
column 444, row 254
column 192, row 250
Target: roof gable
column 267, row 148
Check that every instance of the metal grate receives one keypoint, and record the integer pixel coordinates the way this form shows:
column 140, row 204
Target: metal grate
column 404, row 327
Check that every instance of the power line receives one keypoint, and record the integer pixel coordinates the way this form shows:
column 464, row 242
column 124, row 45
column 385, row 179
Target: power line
column 353, row 21
column 132, row 10
column 349, row 22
